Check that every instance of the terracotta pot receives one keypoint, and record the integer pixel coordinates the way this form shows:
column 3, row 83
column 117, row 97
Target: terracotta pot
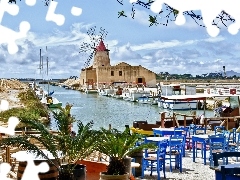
column 79, row 173
column 104, row 176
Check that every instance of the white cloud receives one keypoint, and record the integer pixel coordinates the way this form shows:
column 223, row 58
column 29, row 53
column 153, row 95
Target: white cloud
column 173, row 43
column 123, row 53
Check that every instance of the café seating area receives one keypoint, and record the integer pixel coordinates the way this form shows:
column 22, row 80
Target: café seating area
column 173, row 143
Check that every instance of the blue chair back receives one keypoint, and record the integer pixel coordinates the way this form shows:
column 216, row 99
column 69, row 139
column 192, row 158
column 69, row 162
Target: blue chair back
column 177, row 142
column 216, row 143
column 185, row 130
column 217, row 139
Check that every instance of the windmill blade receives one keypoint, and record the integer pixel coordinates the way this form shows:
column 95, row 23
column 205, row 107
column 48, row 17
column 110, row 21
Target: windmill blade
column 87, row 63
column 84, row 47
column 92, row 33
column 94, row 42
column 103, row 33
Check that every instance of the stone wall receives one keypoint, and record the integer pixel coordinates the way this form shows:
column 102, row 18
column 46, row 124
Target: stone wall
column 129, row 74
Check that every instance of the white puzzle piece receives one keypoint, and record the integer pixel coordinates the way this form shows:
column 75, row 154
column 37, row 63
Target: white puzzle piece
column 210, row 9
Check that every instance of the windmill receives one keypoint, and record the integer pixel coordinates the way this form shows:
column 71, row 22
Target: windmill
column 90, row 48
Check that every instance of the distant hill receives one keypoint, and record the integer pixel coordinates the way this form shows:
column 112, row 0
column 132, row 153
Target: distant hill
column 232, row 73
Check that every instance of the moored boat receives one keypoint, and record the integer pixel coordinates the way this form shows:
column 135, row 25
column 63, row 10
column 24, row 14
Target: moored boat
column 144, row 100
column 51, row 102
column 180, row 102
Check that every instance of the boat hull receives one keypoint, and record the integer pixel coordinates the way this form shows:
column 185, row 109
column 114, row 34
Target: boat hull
column 178, row 105
column 54, row 105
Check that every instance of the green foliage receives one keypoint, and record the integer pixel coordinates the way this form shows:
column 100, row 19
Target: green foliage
column 82, row 144
column 33, row 109
column 153, row 20
column 117, row 145
column 72, row 148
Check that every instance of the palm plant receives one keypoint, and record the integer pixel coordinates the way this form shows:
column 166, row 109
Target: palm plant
column 118, row 145
column 71, row 148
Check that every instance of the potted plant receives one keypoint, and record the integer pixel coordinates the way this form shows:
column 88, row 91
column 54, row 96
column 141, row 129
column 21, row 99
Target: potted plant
column 117, row 145
column 72, row 147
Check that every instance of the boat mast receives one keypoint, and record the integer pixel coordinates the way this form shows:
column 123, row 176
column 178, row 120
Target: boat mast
column 41, row 63
column 47, row 70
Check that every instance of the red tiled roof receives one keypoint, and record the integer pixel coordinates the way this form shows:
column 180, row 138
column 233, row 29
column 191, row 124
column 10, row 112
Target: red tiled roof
column 101, row 46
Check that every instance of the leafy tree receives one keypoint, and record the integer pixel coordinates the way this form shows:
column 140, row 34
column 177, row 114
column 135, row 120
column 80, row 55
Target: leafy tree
column 169, row 14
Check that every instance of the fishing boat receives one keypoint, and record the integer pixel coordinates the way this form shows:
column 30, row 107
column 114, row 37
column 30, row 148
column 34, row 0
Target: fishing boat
column 90, row 91
column 181, row 102
column 47, row 98
column 135, row 94
column 144, row 100
column 147, row 100
column 103, row 92
column 51, row 102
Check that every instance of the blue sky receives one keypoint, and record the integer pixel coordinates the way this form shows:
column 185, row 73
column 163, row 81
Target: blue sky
column 172, row 48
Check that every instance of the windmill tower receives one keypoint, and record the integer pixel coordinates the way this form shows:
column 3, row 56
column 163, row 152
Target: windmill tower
column 101, row 55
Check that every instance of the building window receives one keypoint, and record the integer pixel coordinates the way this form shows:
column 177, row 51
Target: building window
column 120, row 73
column 112, row 73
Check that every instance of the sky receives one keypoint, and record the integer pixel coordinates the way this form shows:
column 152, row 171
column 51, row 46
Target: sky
column 174, row 49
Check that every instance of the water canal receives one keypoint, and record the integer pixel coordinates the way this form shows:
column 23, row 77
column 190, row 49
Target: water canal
column 107, row 110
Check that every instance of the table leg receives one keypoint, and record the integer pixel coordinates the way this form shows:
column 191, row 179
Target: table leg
column 193, row 149
column 204, row 152
column 196, row 148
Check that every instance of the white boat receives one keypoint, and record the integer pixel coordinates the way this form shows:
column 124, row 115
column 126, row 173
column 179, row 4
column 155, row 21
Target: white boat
column 181, row 102
column 125, row 95
column 144, row 100
column 40, row 93
column 90, row 91
column 135, row 94
column 51, row 102
column 102, row 92
column 147, row 100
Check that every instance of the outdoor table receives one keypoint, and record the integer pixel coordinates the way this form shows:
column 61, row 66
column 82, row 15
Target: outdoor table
column 166, row 131
column 230, row 168
column 157, row 139
column 227, row 171
column 202, row 139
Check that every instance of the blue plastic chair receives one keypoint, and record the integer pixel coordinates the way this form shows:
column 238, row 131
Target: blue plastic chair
column 185, row 133
column 176, row 146
column 217, row 144
column 155, row 161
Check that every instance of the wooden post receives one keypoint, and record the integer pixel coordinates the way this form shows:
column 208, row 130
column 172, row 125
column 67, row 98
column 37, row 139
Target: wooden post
column 174, row 119
column 162, row 118
column 185, row 121
column 8, row 154
column 205, row 123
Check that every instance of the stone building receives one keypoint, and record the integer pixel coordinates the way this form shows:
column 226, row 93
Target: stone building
column 101, row 72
